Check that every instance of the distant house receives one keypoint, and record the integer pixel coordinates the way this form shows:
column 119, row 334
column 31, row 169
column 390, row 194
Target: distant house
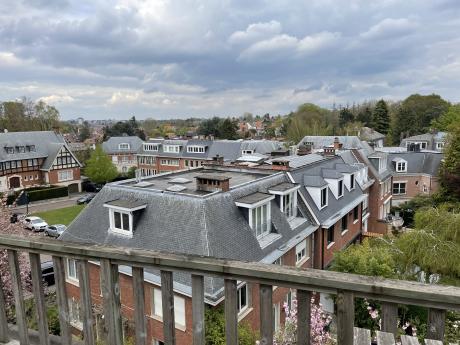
column 123, row 151
column 29, row 159
column 414, row 173
column 427, row 141
column 372, row 137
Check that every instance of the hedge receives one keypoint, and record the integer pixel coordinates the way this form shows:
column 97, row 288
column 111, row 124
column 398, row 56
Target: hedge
column 50, row 193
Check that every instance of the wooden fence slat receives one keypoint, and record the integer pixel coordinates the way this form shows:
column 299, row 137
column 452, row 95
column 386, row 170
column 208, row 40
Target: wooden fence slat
column 39, row 298
column 384, row 338
column 86, row 303
column 231, row 312
column 167, row 300
column 436, row 324
column 4, row 338
column 303, row 317
column 408, row 340
column 15, row 270
column 390, row 318
column 139, row 306
column 361, row 336
column 198, row 309
column 345, row 318
column 266, row 314
column 111, row 295
column 61, row 300
column 432, row 342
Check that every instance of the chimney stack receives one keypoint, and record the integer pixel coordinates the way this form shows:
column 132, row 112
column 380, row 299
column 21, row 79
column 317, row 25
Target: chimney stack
column 329, row 151
column 212, row 183
column 280, row 164
column 304, row 149
column 337, row 144
column 218, row 160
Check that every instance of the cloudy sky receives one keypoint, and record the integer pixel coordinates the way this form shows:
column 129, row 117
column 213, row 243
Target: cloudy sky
column 165, row 58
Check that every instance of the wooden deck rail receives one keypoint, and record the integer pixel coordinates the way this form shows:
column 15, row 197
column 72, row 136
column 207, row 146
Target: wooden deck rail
column 346, row 286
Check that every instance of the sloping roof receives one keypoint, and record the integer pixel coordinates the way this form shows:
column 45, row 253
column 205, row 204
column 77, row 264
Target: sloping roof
column 111, row 146
column 261, row 146
column 298, row 161
column 348, row 142
column 313, row 181
column 370, row 134
column 45, row 144
column 331, row 174
column 417, row 162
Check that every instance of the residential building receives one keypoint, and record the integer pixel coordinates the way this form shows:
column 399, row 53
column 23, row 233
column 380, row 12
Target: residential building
column 414, row 173
column 122, row 151
column 29, row 159
column 372, row 137
column 428, row 141
column 257, row 214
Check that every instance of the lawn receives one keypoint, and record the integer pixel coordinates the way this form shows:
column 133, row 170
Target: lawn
column 62, row 215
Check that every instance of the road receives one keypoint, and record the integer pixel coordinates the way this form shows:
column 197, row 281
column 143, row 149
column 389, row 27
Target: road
column 47, row 205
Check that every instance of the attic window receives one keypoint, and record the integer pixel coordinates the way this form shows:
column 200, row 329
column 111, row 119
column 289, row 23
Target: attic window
column 323, row 197
column 122, row 215
column 9, row 150
column 247, row 152
column 401, row 166
column 340, row 188
column 31, row 148
column 123, row 146
column 352, row 181
column 151, row 147
column 195, row 149
column 259, row 212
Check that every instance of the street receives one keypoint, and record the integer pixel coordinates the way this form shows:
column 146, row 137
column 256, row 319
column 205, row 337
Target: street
column 47, row 205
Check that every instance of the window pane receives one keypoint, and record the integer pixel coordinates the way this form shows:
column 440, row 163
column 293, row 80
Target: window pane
column 117, row 218
column 125, row 221
column 179, row 310
column 157, row 303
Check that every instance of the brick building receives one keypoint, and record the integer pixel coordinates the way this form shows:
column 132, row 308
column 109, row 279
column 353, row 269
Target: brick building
column 428, row 141
column 263, row 215
column 30, row 159
column 122, row 151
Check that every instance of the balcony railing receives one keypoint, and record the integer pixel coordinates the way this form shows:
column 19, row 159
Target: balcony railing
column 346, row 287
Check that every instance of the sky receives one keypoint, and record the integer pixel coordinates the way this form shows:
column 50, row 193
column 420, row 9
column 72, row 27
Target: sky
column 163, row 59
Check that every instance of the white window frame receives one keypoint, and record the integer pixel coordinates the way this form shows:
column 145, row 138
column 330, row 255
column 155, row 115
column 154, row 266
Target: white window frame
column 151, row 147
column 276, row 317
column 179, row 306
column 439, row 145
column 399, row 183
column 302, row 251
column 71, row 271
column 65, row 175
column 195, row 149
column 170, row 162
column 121, row 230
column 247, row 152
column 124, row 146
column 253, row 220
column 340, row 184
column 352, row 182
column 242, row 307
column 401, row 166
column 291, row 211
column 323, row 205
column 171, row 148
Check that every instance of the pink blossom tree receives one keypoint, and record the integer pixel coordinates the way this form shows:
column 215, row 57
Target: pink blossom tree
column 319, row 321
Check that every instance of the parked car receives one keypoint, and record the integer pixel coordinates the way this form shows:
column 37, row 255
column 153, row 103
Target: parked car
column 85, row 199
column 35, row 224
column 91, row 187
column 55, row 230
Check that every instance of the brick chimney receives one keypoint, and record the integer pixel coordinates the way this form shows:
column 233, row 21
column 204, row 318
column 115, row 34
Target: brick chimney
column 304, row 149
column 329, row 151
column 337, row 144
column 280, row 164
column 218, row 160
column 212, row 183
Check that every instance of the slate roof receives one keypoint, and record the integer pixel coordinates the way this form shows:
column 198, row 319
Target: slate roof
column 321, row 141
column 111, row 146
column 430, row 138
column 211, row 225
column 253, row 198
column 369, row 134
column 417, row 162
column 282, row 187
column 298, row 161
column 313, row 181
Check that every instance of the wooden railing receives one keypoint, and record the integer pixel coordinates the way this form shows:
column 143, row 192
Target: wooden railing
column 345, row 286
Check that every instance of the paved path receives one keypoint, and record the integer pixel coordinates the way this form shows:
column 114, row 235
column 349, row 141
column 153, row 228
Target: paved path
column 47, row 205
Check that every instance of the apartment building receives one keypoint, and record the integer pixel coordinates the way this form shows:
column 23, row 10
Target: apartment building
column 297, row 218
column 414, row 173
column 428, row 141
column 122, row 151
column 30, row 159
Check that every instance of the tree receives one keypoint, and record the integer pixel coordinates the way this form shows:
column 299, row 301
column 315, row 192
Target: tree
column 99, row 168
column 450, row 167
column 84, row 131
column 130, row 128
column 46, row 116
column 381, row 117
column 227, row 129
column 345, row 117
column 448, row 119
column 365, row 117
column 210, row 127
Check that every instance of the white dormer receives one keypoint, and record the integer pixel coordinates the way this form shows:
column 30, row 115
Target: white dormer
column 400, row 165
column 247, row 152
column 196, row 149
column 151, row 147
column 258, row 206
column 124, row 146
column 287, row 193
column 171, row 148
column 122, row 216
column 317, row 187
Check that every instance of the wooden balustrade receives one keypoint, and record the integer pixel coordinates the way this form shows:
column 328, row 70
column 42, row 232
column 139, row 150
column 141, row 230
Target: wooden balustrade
column 345, row 286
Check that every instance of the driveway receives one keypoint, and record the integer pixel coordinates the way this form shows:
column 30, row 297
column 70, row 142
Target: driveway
column 48, row 205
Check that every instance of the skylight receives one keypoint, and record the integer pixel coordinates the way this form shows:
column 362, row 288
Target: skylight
column 143, row 184
column 176, row 188
column 180, row 180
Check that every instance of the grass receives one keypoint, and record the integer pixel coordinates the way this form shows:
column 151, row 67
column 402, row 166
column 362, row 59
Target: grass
column 62, row 215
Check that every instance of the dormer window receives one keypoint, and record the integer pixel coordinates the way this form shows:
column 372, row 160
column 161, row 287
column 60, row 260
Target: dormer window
column 352, row 181
column 151, row 147
column 287, row 193
column 123, row 146
column 9, row 150
column 401, row 166
column 247, row 152
column 122, row 215
column 21, row 149
column 259, row 212
column 195, row 149
column 324, row 197
column 340, row 188
column 171, row 148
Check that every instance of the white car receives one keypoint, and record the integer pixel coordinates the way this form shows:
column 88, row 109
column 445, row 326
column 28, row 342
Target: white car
column 35, row 224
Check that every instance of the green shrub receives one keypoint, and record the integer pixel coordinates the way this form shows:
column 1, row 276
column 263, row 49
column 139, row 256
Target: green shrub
column 49, row 193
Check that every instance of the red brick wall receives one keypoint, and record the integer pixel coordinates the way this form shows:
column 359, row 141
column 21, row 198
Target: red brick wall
column 375, row 202
column 53, row 175
column 414, row 185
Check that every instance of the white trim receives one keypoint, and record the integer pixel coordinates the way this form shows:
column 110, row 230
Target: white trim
column 124, row 209
column 257, row 204
column 388, row 199
column 305, row 201
column 284, row 192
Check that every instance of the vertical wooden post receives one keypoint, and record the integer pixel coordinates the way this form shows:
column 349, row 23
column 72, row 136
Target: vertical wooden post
column 61, row 299
column 436, row 324
column 266, row 314
column 39, row 297
column 139, row 306
column 167, row 301
column 112, row 305
column 345, row 318
column 303, row 317
column 198, row 309
column 18, row 297
column 231, row 312
column 390, row 318
column 86, row 303
column 4, row 338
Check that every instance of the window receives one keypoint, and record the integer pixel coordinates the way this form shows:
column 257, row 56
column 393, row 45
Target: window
column 121, row 221
column 72, row 269
column 247, row 152
column 31, row 148
column 151, row 147
column 114, row 159
column 352, row 181
column 289, row 204
column 195, row 149
column 170, row 162
column 9, row 150
column 399, row 188
column 276, row 317
column 172, row 148
column 324, row 197
column 278, row 261
column 158, row 342
column 21, row 149
column 123, row 146
column 30, row 162
column 302, row 250
column 344, row 223
column 356, row 213
column 65, row 175
column 340, row 189
column 243, row 298
column 330, row 235
column 439, row 145
column 179, row 307
column 425, row 189
column 24, row 178
column 401, row 166
column 259, row 220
